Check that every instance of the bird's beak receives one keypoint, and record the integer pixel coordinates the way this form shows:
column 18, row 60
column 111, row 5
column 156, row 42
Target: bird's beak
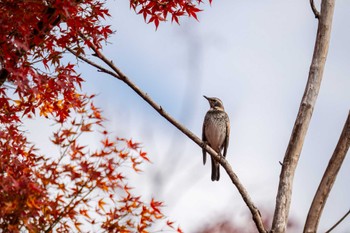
column 206, row 97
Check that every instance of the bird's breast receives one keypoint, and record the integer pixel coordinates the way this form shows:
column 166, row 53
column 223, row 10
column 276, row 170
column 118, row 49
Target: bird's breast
column 215, row 130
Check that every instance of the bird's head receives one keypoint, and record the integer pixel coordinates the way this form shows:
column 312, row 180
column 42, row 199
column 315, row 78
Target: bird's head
column 215, row 103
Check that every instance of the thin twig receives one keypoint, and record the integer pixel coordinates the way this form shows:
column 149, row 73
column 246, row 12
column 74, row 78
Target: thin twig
column 68, row 208
column 119, row 75
column 314, row 10
column 99, row 67
column 337, row 223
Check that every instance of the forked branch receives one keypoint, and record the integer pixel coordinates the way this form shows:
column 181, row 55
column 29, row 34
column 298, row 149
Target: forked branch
column 314, row 10
column 117, row 73
column 328, row 179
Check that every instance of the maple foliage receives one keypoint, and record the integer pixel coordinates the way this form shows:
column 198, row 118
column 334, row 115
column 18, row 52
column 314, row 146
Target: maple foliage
column 156, row 11
column 80, row 188
column 34, row 36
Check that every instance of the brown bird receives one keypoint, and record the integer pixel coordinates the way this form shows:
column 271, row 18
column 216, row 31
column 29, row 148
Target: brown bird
column 215, row 133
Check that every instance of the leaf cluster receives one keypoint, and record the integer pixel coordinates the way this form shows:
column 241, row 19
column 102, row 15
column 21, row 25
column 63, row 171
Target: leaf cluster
column 156, row 11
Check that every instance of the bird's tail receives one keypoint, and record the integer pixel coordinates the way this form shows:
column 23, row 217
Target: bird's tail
column 204, row 152
column 215, row 170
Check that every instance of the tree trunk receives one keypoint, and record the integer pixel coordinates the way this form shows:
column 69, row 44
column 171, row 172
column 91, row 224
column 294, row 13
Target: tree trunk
column 301, row 124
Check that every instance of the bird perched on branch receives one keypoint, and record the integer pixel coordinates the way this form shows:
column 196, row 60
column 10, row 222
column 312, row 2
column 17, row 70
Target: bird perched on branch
column 215, row 133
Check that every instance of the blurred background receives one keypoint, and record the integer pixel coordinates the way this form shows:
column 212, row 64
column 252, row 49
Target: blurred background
column 255, row 57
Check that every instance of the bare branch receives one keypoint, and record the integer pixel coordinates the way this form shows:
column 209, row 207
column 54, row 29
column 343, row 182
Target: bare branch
column 100, row 68
column 284, row 193
column 117, row 73
column 314, row 10
column 328, row 179
column 337, row 223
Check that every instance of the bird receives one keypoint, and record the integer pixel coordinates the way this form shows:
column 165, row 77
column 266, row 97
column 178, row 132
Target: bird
column 215, row 133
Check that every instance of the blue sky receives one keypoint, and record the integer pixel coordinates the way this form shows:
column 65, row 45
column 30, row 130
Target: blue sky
column 254, row 56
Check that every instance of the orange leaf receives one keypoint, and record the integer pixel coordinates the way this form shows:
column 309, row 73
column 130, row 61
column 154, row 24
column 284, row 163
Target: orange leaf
column 77, row 224
column 107, row 143
column 144, row 156
column 84, row 213
column 155, row 205
column 31, row 202
column 101, row 203
column 170, row 223
column 86, row 128
column 133, row 145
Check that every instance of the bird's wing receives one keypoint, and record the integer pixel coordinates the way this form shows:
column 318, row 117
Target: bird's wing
column 204, row 139
column 227, row 137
